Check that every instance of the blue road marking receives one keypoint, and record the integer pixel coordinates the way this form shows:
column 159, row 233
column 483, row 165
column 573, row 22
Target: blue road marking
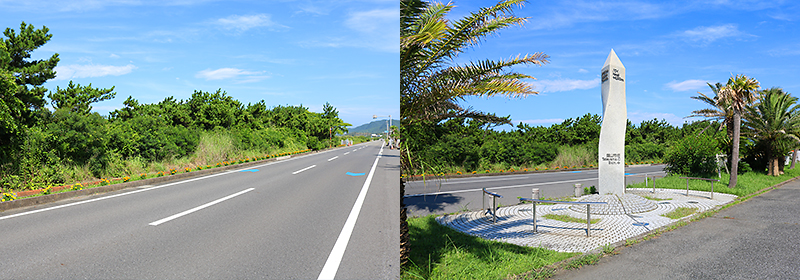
column 354, row 174
column 249, row 170
column 641, row 224
column 628, row 173
column 576, row 171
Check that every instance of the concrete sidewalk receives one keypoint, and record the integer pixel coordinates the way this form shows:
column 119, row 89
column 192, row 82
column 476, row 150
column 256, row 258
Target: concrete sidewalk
column 756, row 239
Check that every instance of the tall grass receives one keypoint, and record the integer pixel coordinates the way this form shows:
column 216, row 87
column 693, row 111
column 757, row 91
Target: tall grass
column 214, row 147
column 573, row 156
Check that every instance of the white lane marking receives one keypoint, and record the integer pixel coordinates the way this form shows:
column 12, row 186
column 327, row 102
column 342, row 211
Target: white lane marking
column 346, row 153
column 187, row 212
column 335, row 258
column 502, row 187
column 304, row 169
column 480, row 181
column 355, row 150
column 330, row 159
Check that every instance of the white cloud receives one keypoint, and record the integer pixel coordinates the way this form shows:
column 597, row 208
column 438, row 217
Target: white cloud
column 708, row 34
column 687, row 85
column 243, row 23
column 372, row 21
column 583, row 70
column 113, row 56
column 564, row 85
column 66, row 72
column 375, row 30
column 230, row 73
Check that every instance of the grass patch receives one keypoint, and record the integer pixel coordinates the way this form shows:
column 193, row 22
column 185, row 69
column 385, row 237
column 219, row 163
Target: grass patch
column 747, row 183
column 655, row 198
column 587, row 259
column 564, row 198
column 568, row 219
column 439, row 252
column 680, row 212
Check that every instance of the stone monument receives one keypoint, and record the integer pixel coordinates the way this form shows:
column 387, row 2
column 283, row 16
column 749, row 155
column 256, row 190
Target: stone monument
column 611, row 152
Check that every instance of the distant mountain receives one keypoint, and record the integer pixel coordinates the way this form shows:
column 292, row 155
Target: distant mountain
column 376, row 127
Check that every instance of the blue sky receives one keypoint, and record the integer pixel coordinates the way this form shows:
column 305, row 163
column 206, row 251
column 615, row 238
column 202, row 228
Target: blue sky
column 282, row 52
column 670, row 49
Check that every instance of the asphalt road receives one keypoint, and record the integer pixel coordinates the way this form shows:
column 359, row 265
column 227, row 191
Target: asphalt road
column 454, row 195
column 314, row 216
column 756, row 239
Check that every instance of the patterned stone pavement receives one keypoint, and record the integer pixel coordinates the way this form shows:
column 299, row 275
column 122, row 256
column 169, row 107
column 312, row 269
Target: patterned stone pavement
column 514, row 223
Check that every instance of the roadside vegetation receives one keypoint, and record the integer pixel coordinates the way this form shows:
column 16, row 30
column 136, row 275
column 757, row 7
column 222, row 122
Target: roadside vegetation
column 51, row 137
column 439, row 252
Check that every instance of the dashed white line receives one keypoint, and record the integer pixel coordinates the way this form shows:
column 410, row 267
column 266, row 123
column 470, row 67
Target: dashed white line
column 304, row 169
column 346, row 153
column 330, row 159
column 187, row 212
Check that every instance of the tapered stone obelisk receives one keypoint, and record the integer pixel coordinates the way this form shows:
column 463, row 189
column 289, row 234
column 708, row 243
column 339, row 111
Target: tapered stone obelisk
column 611, row 152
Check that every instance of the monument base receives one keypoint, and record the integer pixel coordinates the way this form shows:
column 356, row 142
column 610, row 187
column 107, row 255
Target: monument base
column 616, row 205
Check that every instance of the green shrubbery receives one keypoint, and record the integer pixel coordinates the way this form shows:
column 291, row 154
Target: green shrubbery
column 468, row 145
column 693, row 155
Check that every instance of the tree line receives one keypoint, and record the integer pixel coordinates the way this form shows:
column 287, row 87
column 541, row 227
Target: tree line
column 37, row 143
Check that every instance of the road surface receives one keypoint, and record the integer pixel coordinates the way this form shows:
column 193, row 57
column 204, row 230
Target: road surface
column 321, row 215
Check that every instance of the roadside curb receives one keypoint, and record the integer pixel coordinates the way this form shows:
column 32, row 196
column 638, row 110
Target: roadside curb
column 33, row 201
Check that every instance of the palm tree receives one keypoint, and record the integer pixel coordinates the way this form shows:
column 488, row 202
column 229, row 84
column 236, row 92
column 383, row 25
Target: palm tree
column 738, row 92
column 773, row 121
column 721, row 111
column 431, row 84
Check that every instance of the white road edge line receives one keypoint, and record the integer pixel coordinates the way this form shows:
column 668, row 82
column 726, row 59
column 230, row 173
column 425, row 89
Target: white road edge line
column 304, row 169
column 330, row 159
column 335, row 258
column 187, row 212
column 502, row 187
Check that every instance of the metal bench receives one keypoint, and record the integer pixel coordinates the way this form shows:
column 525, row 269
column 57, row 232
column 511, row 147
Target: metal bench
column 646, row 175
column 696, row 178
column 492, row 211
column 587, row 203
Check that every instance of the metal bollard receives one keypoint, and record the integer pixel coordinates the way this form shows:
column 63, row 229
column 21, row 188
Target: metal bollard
column 578, row 190
column 588, row 220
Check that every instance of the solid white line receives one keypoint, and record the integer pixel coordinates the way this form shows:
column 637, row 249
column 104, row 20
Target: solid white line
column 187, row 212
column 335, row 258
column 304, row 169
column 330, row 159
column 502, row 187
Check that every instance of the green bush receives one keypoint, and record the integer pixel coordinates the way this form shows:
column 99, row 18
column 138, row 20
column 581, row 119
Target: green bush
column 693, row 156
column 643, row 151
